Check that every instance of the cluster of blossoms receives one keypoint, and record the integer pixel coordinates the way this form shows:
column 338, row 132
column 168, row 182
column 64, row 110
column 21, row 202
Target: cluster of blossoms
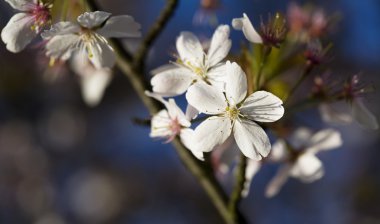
column 218, row 92
column 83, row 42
column 229, row 113
column 215, row 88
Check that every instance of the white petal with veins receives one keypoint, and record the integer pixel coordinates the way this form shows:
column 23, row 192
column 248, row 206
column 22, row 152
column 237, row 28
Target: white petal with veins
column 263, row 106
column 18, row 32
column 220, row 45
column 251, row 139
column 172, row 82
column 211, row 132
column 93, row 19
column 206, row 99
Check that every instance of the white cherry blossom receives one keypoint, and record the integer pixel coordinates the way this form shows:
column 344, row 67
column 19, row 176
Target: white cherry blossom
column 193, row 64
column 244, row 24
column 23, row 27
column 302, row 163
column 171, row 122
column 88, row 36
column 232, row 112
column 93, row 81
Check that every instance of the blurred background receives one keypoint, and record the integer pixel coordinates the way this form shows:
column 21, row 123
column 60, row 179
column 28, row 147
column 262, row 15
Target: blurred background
column 63, row 162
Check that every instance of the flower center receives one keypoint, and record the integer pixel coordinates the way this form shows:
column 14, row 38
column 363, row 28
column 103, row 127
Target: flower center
column 41, row 15
column 89, row 37
column 201, row 71
column 232, row 112
column 175, row 127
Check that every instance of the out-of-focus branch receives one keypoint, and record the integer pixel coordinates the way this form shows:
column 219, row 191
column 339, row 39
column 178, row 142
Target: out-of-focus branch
column 132, row 69
column 153, row 33
column 305, row 73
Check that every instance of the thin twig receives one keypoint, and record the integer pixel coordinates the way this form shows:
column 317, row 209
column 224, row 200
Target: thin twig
column 305, row 73
column 266, row 51
column 153, row 33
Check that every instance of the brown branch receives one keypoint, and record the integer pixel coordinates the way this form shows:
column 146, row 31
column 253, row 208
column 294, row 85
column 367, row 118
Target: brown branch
column 153, row 33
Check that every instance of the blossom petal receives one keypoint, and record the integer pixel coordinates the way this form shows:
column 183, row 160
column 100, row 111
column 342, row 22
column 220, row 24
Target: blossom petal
column 163, row 68
column 278, row 181
column 22, row 5
column 279, row 151
column 190, row 49
column 220, row 45
column 172, row 82
column 263, row 106
column 18, row 32
column 160, row 125
column 120, row 26
column 330, row 115
column 252, row 168
column 236, row 83
column 307, row 168
column 101, row 54
column 246, row 26
column 251, row 139
column 211, row 132
column 363, row 116
column 174, row 111
column 301, row 137
column 324, row 140
column 191, row 112
column 61, row 28
column 206, row 99
column 186, row 137
column 93, row 19
column 94, row 85
column 62, row 46
column 93, row 81
column 217, row 75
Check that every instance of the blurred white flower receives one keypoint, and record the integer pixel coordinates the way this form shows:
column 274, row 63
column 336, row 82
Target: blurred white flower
column 233, row 112
column 94, row 196
column 23, row 27
column 193, row 64
column 244, row 24
column 251, row 170
column 302, row 162
column 93, row 81
column 171, row 122
column 89, row 37
column 354, row 92
column 358, row 111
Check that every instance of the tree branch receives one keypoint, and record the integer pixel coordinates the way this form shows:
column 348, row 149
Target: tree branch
column 153, row 33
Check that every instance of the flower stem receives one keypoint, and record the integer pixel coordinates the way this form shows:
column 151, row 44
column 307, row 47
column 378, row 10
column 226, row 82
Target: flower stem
column 153, row 33
column 306, row 71
column 266, row 51
column 238, row 188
